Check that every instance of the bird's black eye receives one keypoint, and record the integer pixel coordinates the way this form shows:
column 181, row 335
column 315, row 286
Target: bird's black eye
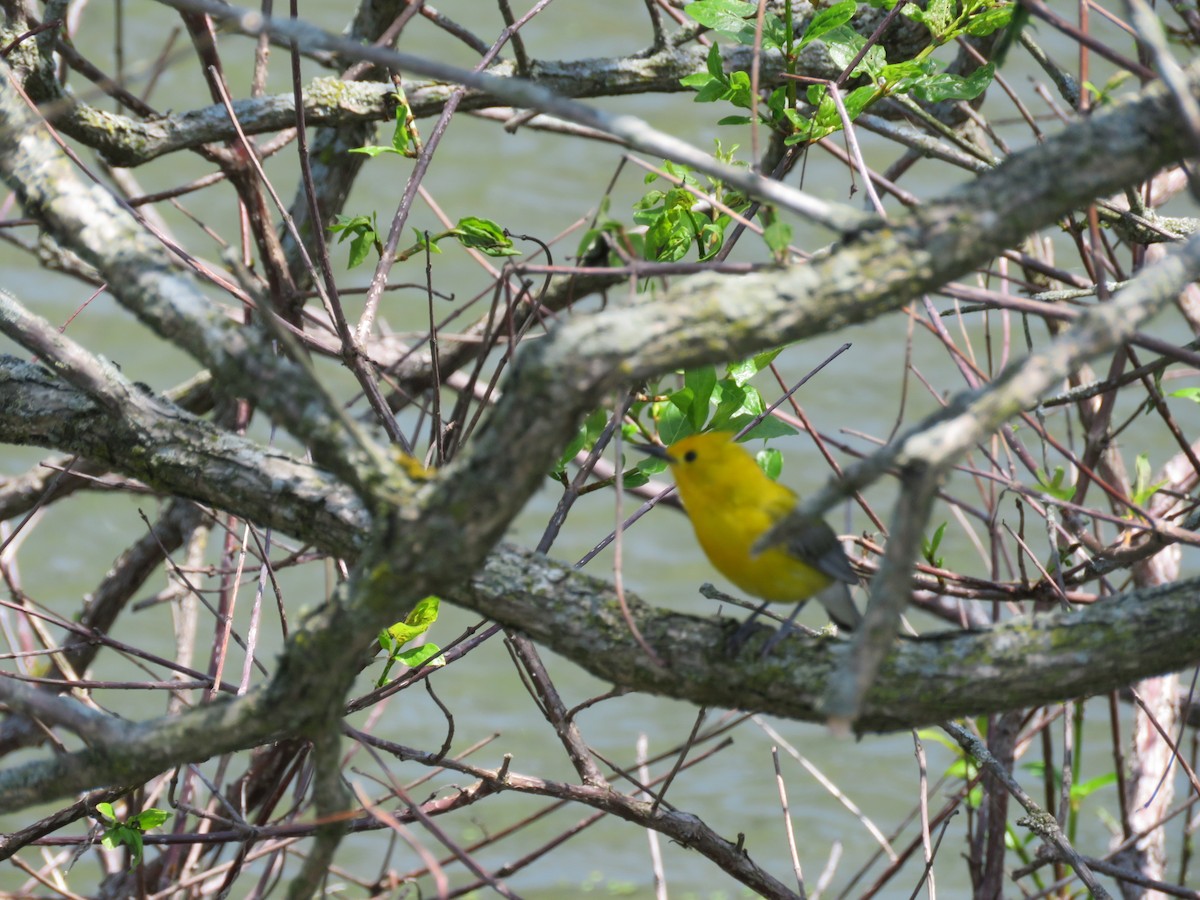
column 690, row 456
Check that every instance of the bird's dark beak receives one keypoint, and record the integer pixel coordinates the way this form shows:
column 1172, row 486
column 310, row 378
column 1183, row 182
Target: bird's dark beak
column 656, row 451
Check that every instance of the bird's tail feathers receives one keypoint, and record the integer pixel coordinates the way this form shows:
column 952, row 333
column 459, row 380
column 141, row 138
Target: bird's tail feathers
column 840, row 605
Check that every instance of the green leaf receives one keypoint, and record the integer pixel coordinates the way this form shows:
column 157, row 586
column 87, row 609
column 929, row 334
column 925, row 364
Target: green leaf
column 673, row 424
column 827, row 20
column 652, row 205
column 372, row 150
column 738, row 90
column 133, row 839
column 710, row 237
column 401, row 137
column 387, row 643
column 874, row 62
column 651, row 466
column 736, row 20
column 729, row 397
column 423, row 615
column 128, row 833
column 721, row 15
column 572, row 449
column 843, row 44
column 808, row 131
column 709, row 89
column 777, row 236
column 360, row 248
column 770, row 461
column 1014, row 841
column 937, row 16
column 1054, row 486
column 1143, row 490
column 352, row 224
column 425, row 655
column 594, row 424
column 961, row 768
column 485, row 236
column 669, row 236
column 739, row 404
column 684, row 400
column 929, row 547
column 767, row 429
column 742, row 371
column 426, row 243
column 1082, row 790
column 634, row 477
column 363, row 232
column 986, row 21
column 713, row 62
column 901, row 77
column 150, row 818
column 952, row 87
column 1192, row 393
column 701, row 382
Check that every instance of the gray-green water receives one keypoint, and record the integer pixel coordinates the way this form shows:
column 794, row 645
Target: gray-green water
column 544, row 184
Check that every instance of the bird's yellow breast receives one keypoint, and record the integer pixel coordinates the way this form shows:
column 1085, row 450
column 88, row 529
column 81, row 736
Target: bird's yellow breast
column 727, row 533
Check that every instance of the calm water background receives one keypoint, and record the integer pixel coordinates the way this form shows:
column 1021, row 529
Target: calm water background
column 543, row 185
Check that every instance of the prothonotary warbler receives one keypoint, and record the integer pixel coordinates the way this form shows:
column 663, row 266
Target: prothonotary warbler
column 732, row 503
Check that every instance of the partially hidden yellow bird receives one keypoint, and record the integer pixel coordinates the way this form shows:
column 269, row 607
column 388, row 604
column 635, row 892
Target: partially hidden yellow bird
column 732, row 503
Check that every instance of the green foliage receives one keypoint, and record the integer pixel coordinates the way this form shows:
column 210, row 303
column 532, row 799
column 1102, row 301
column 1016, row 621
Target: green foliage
column 1081, row 790
column 777, row 236
column 472, row 232
column 946, row 20
column 1104, row 95
column 735, row 20
column 929, row 547
column 1143, row 490
column 613, row 229
column 937, row 88
column 392, row 639
column 404, row 139
column 364, row 233
column 585, row 439
column 128, row 833
column 1056, row 486
column 770, row 461
column 1191, row 393
column 672, row 224
column 701, row 401
column 483, row 235
column 706, row 403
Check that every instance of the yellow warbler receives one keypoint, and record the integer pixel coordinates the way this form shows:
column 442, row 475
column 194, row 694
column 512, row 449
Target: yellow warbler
column 732, row 503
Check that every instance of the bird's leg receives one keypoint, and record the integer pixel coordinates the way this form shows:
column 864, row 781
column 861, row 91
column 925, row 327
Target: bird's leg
column 783, row 630
column 734, row 644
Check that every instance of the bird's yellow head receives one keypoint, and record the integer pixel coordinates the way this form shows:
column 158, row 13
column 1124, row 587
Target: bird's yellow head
column 712, row 463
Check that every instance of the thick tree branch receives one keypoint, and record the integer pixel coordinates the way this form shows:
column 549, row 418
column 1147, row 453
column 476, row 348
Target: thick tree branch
column 519, row 92
column 1026, row 662
column 142, row 275
column 331, row 102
